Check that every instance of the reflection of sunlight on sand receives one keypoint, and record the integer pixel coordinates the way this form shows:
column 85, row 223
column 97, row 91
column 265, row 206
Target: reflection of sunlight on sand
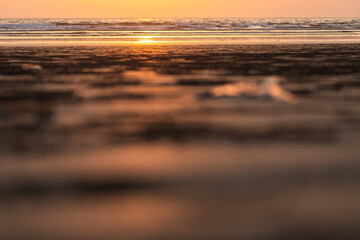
column 266, row 88
column 133, row 216
column 148, row 77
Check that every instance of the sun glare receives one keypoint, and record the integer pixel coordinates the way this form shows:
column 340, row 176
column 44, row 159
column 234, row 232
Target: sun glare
column 147, row 40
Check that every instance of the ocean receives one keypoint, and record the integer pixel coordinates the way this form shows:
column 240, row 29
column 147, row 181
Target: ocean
column 222, row 30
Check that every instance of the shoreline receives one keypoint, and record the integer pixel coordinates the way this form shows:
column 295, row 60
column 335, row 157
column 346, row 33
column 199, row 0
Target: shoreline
column 180, row 42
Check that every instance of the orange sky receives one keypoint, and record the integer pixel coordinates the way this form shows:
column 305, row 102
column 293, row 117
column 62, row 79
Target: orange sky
column 179, row 8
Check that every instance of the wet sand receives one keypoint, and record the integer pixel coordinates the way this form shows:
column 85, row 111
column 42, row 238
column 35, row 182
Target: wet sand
column 130, row 142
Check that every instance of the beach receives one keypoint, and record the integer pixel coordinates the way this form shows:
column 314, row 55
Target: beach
column 105, row 142
column 151, row 139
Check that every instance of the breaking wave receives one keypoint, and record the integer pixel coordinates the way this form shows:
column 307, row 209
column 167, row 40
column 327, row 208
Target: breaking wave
column 229, row 24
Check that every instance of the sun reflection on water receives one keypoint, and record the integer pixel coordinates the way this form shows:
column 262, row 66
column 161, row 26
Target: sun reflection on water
column 147, row 40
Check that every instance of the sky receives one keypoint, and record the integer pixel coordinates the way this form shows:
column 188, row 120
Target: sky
column 178, row 8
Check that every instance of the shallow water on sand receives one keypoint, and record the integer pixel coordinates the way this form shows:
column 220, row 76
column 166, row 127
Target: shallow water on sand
column 180, row 142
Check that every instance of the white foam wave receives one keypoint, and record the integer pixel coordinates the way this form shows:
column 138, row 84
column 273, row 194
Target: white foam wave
column 230, row 24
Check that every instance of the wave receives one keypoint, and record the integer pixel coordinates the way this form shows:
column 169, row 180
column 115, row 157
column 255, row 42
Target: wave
column 207, row 24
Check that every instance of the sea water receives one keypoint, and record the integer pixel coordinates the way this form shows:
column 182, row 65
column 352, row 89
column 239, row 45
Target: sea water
column 213, row 30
